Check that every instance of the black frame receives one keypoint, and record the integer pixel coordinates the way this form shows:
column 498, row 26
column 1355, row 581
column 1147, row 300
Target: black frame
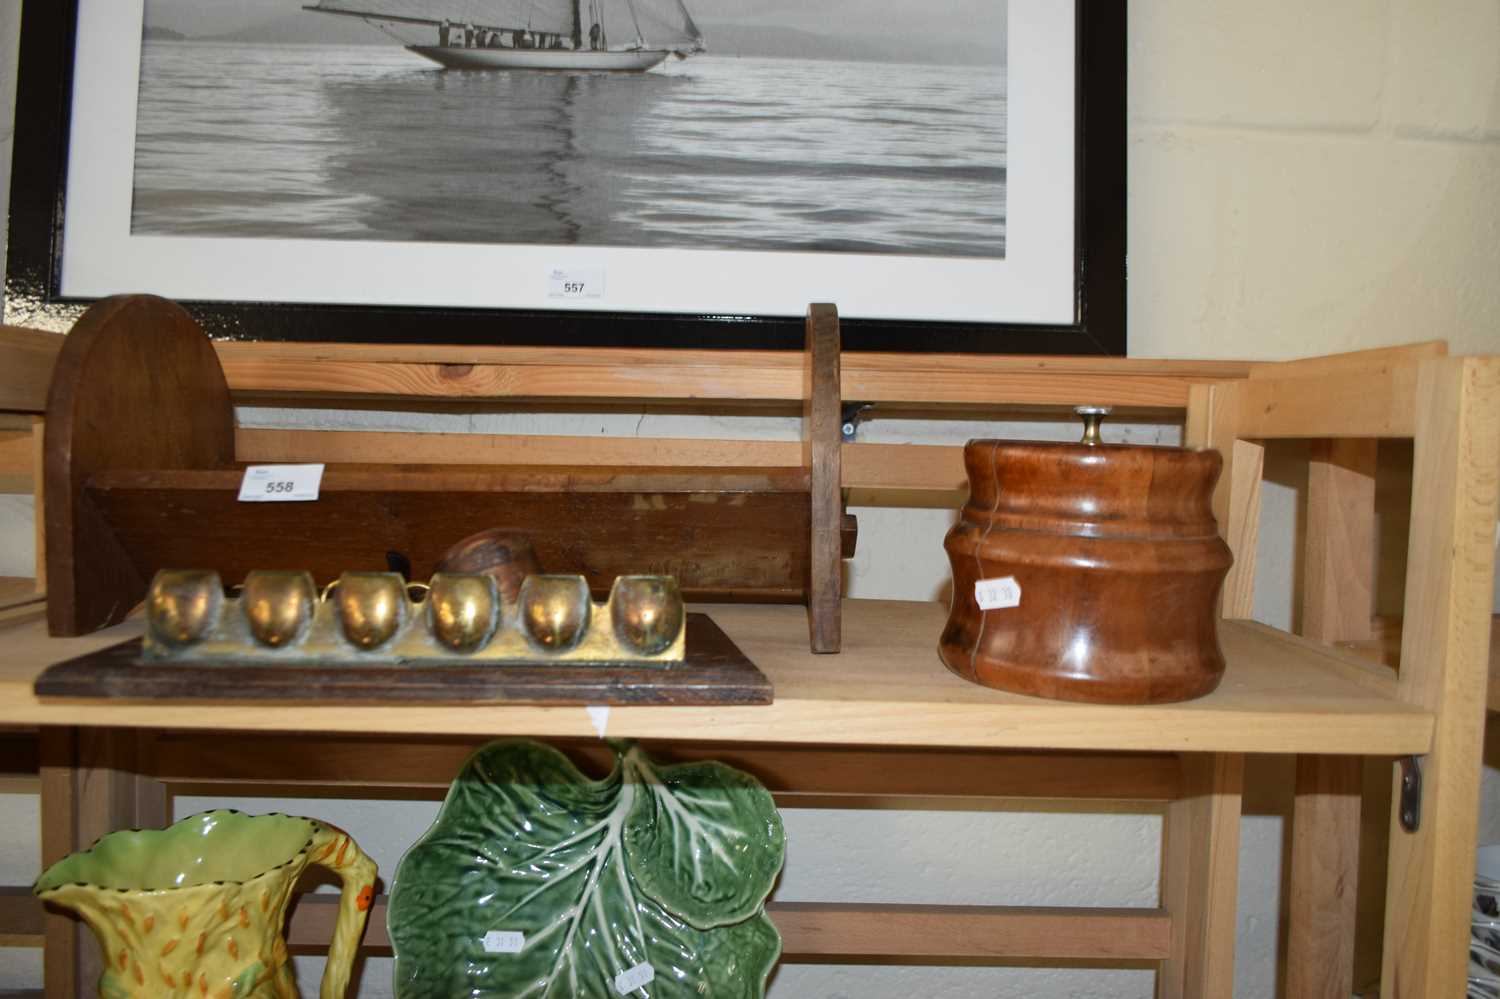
column 38, row 188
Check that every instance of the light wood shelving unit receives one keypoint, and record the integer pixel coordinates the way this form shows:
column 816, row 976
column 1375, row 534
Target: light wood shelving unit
column 1316, row 699
column 884, row 718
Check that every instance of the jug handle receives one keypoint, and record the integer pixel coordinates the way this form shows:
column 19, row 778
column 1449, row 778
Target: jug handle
column 336, row 850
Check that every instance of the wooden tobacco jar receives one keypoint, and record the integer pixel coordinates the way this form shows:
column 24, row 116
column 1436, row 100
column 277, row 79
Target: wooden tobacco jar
column 1087, row 571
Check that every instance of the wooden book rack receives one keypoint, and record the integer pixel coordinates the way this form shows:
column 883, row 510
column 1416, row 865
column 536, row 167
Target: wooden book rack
column 141, row 474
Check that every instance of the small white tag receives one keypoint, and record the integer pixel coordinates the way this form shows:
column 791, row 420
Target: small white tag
column 575, row 282
column 280, row 483
column 599, row 715
column 627, row 982
column 504, row 942
column 995, row 594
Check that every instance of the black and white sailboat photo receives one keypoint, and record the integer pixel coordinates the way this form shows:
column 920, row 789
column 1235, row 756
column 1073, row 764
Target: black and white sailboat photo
column 845, row 127
column 533, row 34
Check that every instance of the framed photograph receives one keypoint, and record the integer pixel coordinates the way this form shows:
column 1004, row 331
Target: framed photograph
column 580, row 172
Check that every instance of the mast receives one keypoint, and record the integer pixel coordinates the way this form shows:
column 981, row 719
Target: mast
column 577, row 24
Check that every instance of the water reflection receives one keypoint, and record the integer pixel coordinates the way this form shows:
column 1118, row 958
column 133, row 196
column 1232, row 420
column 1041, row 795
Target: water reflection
column 365, row 142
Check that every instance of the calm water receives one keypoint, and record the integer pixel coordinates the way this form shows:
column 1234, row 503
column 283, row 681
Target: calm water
column 371, row 142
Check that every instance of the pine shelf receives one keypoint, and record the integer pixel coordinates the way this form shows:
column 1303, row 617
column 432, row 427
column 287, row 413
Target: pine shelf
column 889, row 690
column 884, row 719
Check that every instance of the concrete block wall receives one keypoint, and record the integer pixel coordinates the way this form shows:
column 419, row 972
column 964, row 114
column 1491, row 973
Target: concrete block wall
column 1304, row 179
column 1310, row 178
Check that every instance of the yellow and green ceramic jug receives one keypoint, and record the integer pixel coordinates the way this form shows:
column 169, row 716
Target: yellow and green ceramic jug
column 198, row 908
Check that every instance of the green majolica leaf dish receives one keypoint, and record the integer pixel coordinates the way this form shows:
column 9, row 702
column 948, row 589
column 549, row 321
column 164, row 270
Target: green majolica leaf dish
column 536, row 882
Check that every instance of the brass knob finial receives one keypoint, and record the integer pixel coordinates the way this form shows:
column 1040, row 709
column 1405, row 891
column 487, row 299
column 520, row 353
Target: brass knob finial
column 1092, row 417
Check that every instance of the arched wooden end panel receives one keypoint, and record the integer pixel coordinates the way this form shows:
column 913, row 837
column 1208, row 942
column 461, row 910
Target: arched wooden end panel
column 821, row 443
column 137, row 386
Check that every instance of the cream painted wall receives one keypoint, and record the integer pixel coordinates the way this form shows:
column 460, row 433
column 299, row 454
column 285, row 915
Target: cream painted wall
column 1304, row 178
column 1311, row 178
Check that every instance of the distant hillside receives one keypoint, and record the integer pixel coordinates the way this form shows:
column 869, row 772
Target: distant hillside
column 724, row 39
column 292, row 28
column 307, row 27
column 761, row 41
column 954, row 31
column 155, row 34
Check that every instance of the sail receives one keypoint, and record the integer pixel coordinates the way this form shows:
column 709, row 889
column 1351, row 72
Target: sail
column 554, row 17
column 662, row 24
column 653, row 24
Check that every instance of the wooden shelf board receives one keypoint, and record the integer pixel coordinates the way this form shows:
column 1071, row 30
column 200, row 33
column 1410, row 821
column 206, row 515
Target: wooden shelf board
column 1385, row 648
column 354, row 371
column 17, row 460
column 809, row 929
column 331, row 763
column 16, row 590
column 20, row 917
column 26, row 370
column 20, row 760
column 923, row 468
column 887, row 688
column 20, row 599
column 724, row 533
column 824, row 930
column 479, row 479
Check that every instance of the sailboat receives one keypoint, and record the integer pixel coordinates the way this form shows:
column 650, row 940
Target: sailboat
column 532, row 34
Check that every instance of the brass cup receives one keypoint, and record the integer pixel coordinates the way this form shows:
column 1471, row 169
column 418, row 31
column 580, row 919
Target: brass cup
column 183, row 605
column 462, row 609
column 647, row 612
column 278, row 605
column 371, row 607
column 555, row 610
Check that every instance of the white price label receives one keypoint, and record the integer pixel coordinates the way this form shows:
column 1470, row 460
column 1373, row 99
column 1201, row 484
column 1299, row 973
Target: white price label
column 504, row 942
column 627, row 982
column 580, row 282
column 280, row 483
column 996, row 594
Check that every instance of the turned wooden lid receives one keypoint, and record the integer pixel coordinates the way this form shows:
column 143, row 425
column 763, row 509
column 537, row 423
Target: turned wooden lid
column 1092, row 490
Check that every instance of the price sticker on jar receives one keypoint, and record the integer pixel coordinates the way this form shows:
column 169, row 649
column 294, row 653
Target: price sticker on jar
column 281, row 483
column 997, row 594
